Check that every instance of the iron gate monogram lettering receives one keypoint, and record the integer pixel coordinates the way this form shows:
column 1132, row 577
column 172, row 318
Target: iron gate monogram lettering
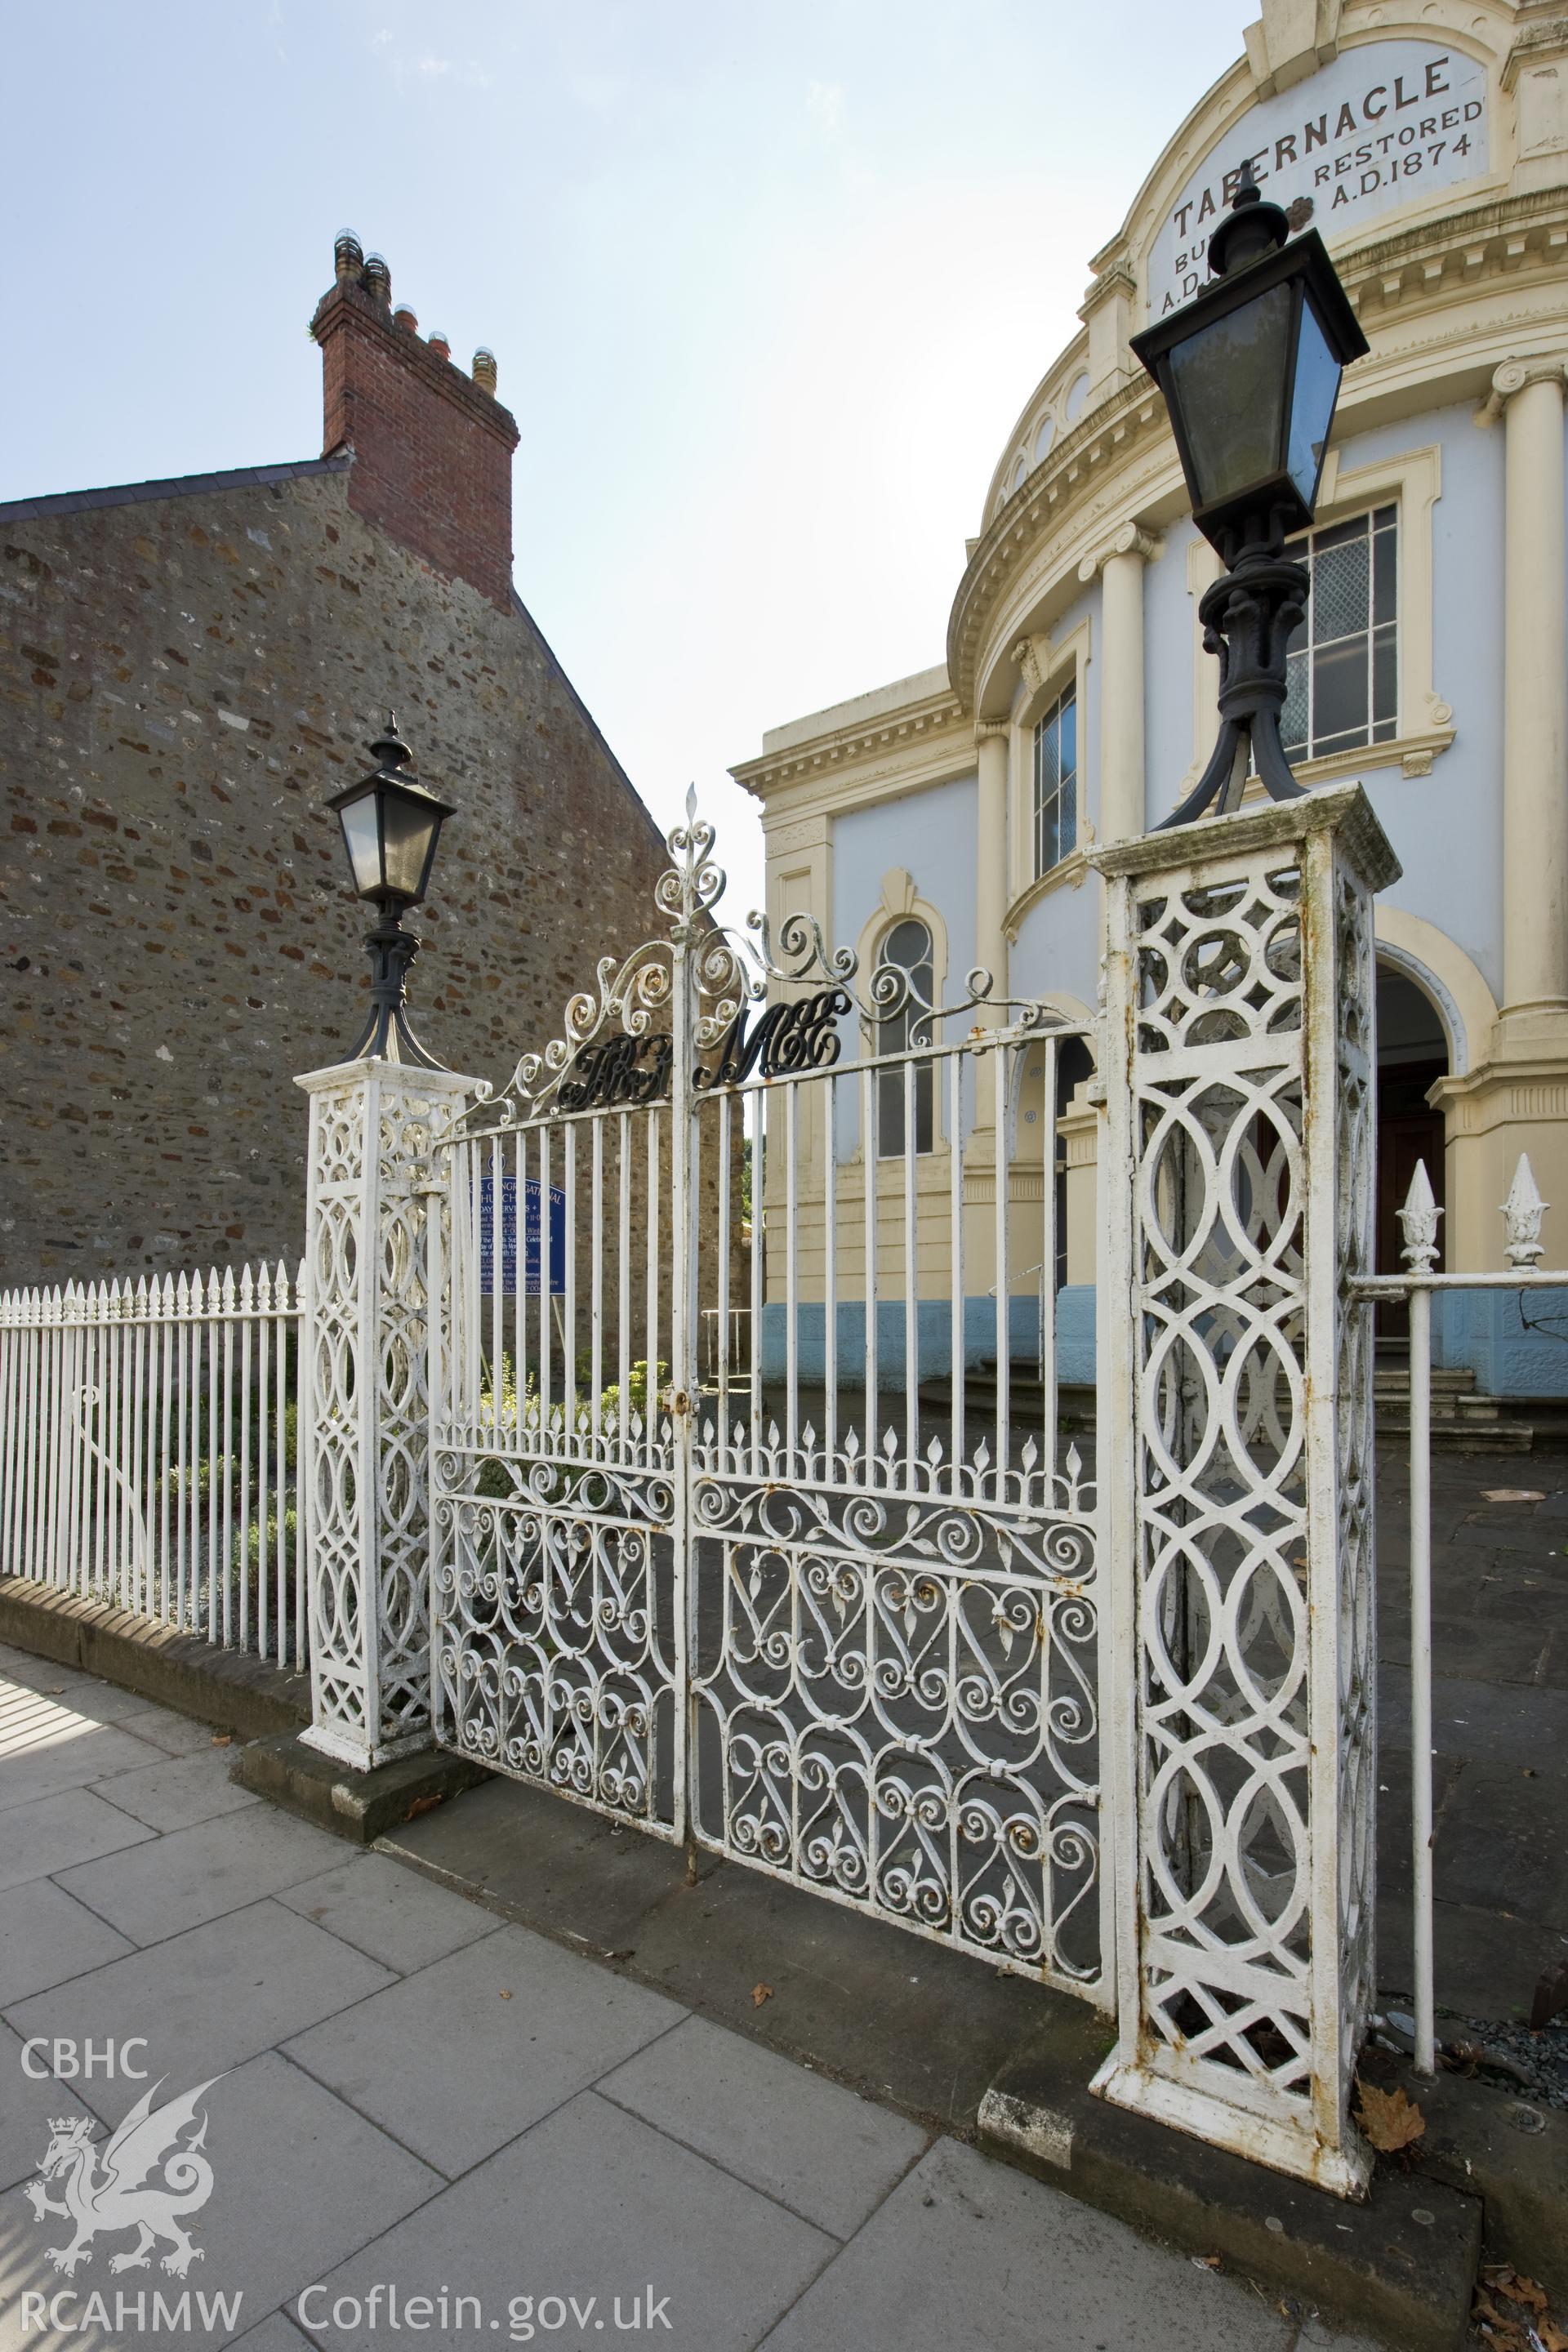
column 722, row 1545
column 787, row 1037
column 618, row 1070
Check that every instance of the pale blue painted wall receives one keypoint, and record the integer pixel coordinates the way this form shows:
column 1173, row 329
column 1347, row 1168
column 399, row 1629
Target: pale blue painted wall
column 1485, row 1332
column 933, row 834
column 1447, row 828
column 1058, row 946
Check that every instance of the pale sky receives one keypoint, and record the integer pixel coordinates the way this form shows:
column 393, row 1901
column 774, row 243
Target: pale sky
column 768, row 281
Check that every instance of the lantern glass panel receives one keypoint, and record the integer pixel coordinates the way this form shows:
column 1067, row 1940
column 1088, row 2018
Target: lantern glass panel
column 1312, row 405
column 1229, row 384
column 361, row 834
column 409, row 827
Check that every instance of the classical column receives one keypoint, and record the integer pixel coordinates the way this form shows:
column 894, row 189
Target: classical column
column 1510, row 1099
column 1536, row 695
column 1122, row 806
column 368, row 1333
column 991, row 824
column 991, row 736
column 991, row 861
column 799, row 889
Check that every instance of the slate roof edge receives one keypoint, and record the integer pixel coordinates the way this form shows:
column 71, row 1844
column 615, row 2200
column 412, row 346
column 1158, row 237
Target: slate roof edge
column 179, row 485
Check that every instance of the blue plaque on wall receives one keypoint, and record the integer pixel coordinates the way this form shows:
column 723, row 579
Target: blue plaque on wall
column 532, row 1236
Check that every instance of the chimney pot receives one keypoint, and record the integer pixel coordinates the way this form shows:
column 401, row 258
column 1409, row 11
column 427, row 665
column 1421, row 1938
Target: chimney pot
column 348, row 255
column 440, row 344
column 432, row 450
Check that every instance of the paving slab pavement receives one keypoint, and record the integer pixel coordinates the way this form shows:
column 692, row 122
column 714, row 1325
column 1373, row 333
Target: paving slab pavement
column 382, row 2125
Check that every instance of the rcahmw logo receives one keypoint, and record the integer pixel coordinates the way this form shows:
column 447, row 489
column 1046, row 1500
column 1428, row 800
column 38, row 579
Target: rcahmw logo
column 149, row 2176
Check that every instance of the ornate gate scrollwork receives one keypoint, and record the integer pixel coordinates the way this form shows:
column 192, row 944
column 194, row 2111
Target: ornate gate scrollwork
column 723, row 1545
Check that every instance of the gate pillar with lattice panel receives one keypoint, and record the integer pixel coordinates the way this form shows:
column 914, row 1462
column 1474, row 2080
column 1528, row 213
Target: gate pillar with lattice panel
column 1239, row 1074
column 365, row 1384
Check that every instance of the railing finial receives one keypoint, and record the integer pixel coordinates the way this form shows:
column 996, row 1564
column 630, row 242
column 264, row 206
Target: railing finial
column 1522, row 1214
column 1418, row 1222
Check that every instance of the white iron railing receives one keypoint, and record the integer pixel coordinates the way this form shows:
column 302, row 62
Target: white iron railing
column 1521, row 1213
column 147, row 1450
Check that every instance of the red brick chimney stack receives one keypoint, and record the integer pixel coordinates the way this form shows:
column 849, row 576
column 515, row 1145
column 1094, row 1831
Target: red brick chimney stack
column 431, row 447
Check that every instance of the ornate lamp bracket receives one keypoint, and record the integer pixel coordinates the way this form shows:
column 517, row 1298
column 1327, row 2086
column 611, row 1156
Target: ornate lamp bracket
column 1248, row 616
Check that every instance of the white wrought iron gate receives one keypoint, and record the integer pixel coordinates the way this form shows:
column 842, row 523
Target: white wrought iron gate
column 723, row 1542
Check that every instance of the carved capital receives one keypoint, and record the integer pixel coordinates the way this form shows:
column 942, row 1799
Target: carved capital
column 1545, row 367
column 1131, row 539
column 991, row 730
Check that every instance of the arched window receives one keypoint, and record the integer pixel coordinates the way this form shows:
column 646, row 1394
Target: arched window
column 907, row 1085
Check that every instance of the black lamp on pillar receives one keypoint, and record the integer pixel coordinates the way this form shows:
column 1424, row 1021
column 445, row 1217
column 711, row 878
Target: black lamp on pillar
column 1250, row 370
column 391, row 825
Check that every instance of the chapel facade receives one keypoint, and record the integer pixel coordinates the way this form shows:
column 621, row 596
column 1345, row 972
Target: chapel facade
column 946, row 817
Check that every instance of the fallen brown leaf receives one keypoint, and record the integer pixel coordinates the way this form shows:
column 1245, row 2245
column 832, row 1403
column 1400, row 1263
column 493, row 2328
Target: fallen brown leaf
column 1553, row 2338
column 1495, row 2323
column 1388, row 2118
column 223, row 1740
column 1523, row 2290
column 1207, row 2261
column 421, row 1805
column 761, row 1992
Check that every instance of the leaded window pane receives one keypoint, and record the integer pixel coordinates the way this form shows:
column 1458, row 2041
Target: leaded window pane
column 1338, row 692
column 1055, row 782
column 1342, row 665
column 1293, row 718
column 1384, row 682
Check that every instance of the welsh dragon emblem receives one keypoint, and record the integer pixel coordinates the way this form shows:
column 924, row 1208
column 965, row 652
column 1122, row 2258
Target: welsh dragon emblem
column 111, row 2186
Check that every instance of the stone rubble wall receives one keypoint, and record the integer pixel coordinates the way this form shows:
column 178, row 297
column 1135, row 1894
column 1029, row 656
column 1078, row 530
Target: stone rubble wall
column 183, row 680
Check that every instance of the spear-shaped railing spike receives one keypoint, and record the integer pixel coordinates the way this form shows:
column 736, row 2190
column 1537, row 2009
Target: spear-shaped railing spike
column 1418, row 1222
column 1522, row 1214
